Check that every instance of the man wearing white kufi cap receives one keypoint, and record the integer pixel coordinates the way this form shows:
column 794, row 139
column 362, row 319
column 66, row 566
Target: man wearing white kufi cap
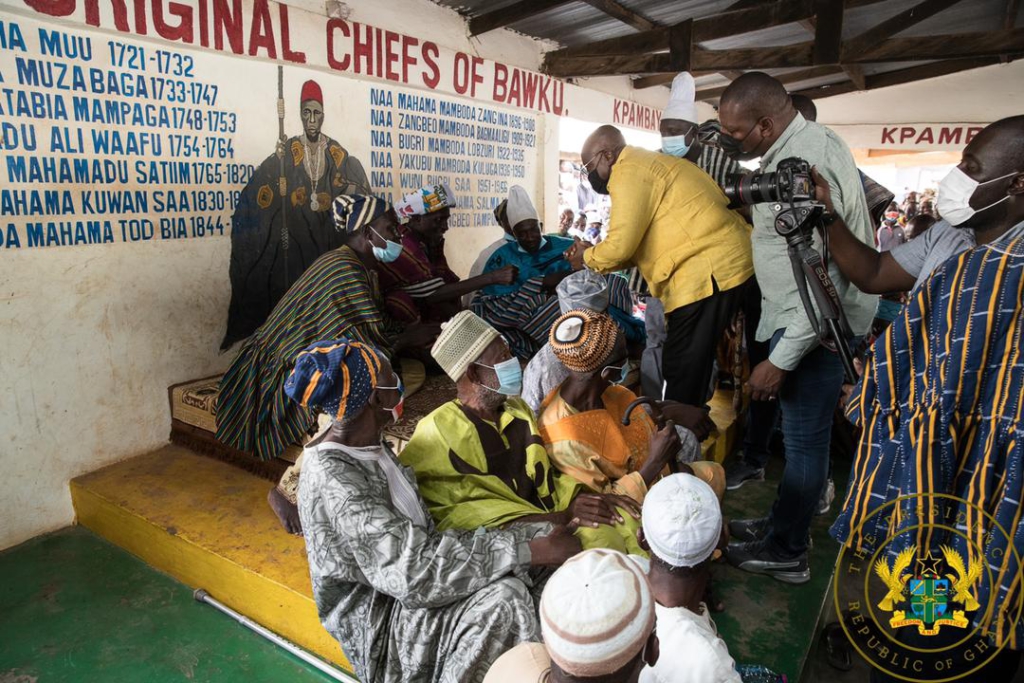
column 419, row 285
column 597, row 617
column 524, row 309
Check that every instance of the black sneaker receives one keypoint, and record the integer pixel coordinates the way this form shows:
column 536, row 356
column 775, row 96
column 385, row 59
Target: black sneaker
column 756, row 557
column 745, row 530
column 740, row 472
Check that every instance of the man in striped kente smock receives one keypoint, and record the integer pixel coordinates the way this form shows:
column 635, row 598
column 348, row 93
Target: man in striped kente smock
column 941, row 402
column 336, row 297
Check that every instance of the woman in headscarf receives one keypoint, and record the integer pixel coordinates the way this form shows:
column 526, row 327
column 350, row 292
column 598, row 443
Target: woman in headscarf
column 419, row 285
column 404, row 601
column 336, row 297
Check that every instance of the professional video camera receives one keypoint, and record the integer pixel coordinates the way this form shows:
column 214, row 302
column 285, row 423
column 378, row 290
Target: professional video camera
column 790, row 191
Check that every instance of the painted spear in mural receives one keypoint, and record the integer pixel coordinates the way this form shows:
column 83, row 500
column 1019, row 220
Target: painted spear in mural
column 282, row 185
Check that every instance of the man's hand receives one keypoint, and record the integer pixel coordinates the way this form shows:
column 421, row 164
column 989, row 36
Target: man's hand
column 693, row 418
column 844, row 398
column 555, row 548
column 574, row 254
column 593, row 509
column 663, row 449
column 765, row 381
column 822, row 192
column 505, row 275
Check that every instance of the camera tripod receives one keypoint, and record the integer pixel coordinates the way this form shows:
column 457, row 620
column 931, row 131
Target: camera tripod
column 796, row 222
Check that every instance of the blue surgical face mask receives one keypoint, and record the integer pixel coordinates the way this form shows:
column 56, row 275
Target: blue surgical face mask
column 676, row 145
column 510, row 377
column 388, row 253
column 623, row 372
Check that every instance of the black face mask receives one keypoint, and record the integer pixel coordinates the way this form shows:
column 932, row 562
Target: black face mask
column 733, row 148
column 599, row 184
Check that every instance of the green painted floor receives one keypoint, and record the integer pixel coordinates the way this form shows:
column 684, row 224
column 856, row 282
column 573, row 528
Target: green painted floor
column 766, row 621
column 75, row 608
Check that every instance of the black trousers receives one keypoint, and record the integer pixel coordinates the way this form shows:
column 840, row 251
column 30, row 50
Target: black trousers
column 692, row 335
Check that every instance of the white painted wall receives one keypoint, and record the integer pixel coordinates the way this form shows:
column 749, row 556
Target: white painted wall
column 92, row 336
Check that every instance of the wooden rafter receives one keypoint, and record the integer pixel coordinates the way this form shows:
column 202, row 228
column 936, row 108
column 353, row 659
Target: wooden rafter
column 865, row 41
column 902, row 76
column 1012, row 10
column 828, row 31
column 784, row 78
column 622, row 13
column 990, row 44
column 511, row 14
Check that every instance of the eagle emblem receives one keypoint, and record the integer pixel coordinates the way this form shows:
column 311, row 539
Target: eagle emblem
column 926, row 596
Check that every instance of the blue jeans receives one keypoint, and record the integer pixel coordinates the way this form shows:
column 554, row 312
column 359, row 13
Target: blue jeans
column 808, row 399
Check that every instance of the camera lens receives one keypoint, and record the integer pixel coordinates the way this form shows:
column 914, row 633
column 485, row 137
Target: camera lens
column 751, row 188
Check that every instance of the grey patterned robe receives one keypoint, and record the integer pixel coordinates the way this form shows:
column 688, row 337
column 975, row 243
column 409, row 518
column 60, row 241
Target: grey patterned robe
column 405, row 602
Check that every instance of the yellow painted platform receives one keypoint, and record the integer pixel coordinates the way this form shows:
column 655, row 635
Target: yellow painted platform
column 208, row 525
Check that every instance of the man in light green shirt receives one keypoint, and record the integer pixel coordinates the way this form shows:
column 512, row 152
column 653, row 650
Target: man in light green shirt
column 759, row 120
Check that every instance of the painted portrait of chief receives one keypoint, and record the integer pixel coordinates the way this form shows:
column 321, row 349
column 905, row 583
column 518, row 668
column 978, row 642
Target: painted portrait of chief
column 274, row 241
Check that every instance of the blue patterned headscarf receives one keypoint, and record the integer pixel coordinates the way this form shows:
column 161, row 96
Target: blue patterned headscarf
column 353, row 211
column 335, row 377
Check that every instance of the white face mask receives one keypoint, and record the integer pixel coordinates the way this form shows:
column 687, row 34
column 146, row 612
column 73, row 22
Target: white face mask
column 955, row 192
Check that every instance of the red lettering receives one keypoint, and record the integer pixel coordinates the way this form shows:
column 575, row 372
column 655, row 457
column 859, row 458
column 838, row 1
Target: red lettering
column 907, row 132
column 971, row 132
column 332, row 61
column 478, row 77
column 887, row 136
column 515, row 88
column 227, row 22
column 926, row 136
column 615, row 111
column 183, row 31
column 92, row 13
column 53, row 8
column 261, row 35
column 390, row 55
column 140, row 18
column 380, row 53
column 363, row 49
column 542, row 101
column 430, row 52
column 500, row 83
column 204, row 23
column 461, row 75
column 558, row 98
column 286, row 39
column 950, row 136
column 407, row 57
column 530, row 80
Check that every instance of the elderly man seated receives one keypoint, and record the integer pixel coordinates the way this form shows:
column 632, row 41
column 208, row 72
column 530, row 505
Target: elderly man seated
column 404, row 601
column 583, row 289
column 581, row 420
column 598, row 620
column 480, row 461
column 524, row 309
column 418, row 284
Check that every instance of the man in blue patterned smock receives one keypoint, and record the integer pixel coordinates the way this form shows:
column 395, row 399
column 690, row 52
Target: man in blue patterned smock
column 405, row 602
column 941, row 402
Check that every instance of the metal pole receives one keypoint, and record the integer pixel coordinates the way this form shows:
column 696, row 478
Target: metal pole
column 202, row 596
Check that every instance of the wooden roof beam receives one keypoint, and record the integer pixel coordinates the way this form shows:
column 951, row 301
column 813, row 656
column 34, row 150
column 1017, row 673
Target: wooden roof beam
column 916, row 73
column 828, row 31
column 500, row 18
column 790, row 77
column 890, row 27
column 943, row 47
column 622, row 13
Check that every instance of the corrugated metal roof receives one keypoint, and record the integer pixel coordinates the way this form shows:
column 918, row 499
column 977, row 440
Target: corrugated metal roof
column 577, row 23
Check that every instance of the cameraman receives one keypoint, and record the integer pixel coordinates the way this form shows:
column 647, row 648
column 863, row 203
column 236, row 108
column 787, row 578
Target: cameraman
column 759, row 120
